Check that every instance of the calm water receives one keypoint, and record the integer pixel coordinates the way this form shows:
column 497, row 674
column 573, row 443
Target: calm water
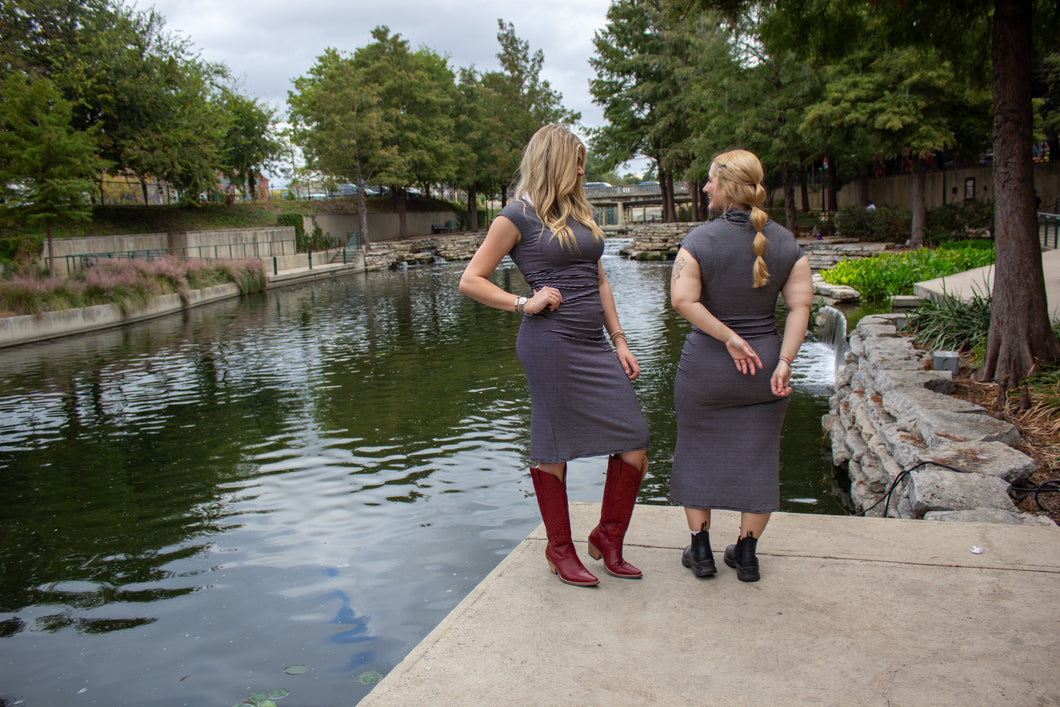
column 312, row 477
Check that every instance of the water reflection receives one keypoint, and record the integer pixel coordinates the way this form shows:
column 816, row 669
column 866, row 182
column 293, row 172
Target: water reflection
column 314, row 476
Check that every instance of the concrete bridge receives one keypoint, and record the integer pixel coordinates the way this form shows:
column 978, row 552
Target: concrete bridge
column 618, row 206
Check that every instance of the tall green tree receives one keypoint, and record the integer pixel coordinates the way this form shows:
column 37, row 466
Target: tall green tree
column 337, row 120
column 964, row 32
column 416, row 92
column 46, row 165
column 636, row 86
column 521, row 100
column 249, row 144
column 890, row 101
column 480, row 136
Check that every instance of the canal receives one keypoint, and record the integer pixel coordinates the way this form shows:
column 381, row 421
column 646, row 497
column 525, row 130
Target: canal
column 285, row 493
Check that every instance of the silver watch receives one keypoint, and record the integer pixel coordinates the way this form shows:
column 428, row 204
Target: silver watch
column 520, row 302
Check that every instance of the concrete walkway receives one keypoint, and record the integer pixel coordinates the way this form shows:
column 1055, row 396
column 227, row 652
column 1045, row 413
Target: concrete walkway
column 981, row 280
column 849, row 611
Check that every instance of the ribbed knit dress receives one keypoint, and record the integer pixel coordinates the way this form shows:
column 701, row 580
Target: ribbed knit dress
column 582, row 403
column 728, row 424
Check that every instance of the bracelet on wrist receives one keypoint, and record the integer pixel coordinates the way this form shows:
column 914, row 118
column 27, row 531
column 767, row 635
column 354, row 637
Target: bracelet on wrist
column 618, row 334
column 520, row 304
column 787, row 360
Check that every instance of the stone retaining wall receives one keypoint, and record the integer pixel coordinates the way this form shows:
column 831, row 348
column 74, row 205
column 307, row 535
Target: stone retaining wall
column 892, row 417
column 660, row 241
column 382, row 255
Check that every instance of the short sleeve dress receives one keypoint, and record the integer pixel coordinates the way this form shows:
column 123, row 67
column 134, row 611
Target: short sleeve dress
column 582, row 403
column 728, row 424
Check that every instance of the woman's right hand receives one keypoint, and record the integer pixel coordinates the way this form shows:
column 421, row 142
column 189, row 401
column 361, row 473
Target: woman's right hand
column 747, row 361
column 545, row 298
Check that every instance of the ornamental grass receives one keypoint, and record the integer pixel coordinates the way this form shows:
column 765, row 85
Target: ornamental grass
column 126, row 283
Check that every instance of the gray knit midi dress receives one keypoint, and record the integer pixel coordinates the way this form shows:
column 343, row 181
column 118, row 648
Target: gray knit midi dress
column 727, row 453
column 582, row 403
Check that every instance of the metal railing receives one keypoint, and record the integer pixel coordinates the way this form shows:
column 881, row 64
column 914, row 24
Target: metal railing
column 220, row 251
column 1047, row 222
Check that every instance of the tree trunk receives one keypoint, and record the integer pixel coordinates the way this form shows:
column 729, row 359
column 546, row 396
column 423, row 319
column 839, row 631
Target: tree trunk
column 403, row 226
column 805, row 185
column 697, row 201
column 916, row 238
column 1020, row 332
column 51, row 248
column 143, row 189
column 863, row 188
column 832, row 189
column 789, row 199
column 472, row 207
column 668, row 198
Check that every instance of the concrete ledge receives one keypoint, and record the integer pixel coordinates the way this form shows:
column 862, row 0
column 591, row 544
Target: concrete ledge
column 852, row 611
column 49, row 325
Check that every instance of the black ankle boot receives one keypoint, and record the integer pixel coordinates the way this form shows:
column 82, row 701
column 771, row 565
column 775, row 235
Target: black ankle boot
column 741, row 557
column 698, row 556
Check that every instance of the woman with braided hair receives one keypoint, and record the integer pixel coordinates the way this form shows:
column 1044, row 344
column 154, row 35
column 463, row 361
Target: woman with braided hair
column 734, row 377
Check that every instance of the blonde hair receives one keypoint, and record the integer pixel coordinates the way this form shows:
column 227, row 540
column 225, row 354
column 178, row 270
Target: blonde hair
column 738, row 174
column 548, row 175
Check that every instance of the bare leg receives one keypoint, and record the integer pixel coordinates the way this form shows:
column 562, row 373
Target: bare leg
column 558, row 470
column 637, row 459
column 752, row 523
column 697, row 518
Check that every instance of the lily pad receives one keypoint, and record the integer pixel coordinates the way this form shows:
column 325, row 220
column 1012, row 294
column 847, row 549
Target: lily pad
column 295, row 669
column 370, row 677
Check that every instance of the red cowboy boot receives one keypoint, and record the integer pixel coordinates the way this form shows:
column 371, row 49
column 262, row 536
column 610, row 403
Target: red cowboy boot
column 620, row 495
column 560, row 553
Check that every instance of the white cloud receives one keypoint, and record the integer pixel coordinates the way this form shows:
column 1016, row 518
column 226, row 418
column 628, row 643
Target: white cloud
column 267, row 43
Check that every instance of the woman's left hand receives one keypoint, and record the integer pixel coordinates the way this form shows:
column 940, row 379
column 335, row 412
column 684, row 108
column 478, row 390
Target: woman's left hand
column 781, row 380
column 628, row 361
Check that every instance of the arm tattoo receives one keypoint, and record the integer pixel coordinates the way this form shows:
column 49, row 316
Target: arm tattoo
column 679, row 265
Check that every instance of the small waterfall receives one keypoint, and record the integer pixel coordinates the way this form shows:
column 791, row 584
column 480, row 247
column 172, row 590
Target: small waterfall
column 831, row 329
column 614, row 246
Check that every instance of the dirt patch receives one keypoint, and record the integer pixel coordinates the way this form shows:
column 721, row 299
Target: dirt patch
column 1039, row 439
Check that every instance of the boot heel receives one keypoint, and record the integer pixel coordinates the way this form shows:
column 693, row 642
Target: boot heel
column 593, row 552
column 552, row 566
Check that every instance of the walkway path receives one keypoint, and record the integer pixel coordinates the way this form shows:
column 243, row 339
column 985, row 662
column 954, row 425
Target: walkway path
column 850, row 611
column 981, row 280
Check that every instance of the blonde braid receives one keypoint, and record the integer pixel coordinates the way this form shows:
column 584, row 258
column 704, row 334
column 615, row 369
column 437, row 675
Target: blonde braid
column 758, row 221
column 740, row 176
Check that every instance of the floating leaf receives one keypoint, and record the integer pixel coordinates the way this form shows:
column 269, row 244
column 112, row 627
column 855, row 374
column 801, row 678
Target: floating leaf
column 295, row 669
column 370, row 677
column 279, row 694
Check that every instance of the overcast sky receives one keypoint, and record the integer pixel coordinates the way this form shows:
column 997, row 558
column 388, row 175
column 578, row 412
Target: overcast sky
column 267, row 43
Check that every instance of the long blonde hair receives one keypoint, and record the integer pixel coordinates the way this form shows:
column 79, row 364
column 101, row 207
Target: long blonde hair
column 738, row 174
column 548, row 175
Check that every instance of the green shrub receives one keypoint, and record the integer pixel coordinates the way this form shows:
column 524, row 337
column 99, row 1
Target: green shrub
column 893, row 225
column 856, row 222
column 317, row 240
column 20, row 250
column 294, row 220
column 951, row 324
column 896, row 273
column 959, row 220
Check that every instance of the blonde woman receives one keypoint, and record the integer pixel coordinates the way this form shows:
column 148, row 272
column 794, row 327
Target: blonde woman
column 734, row 377
column 582, row 402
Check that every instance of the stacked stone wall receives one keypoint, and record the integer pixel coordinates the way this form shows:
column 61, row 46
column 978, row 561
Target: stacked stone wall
column 911, row 449
column 382, row 255
column 660, row 241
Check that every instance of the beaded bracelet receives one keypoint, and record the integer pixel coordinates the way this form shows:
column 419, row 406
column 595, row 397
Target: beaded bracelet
column 789, row 361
